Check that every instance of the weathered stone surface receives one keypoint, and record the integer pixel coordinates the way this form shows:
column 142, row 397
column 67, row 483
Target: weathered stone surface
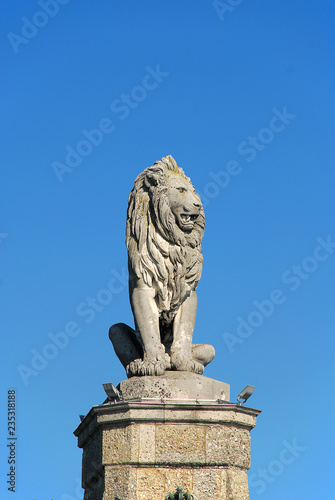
column 147, row 444
column 120, row 483
column 234, row 484
column 120, row 445
column 178, row 477
column 175, row 385
column 143, row 450
column 207, row 483
column 227, row 446
column 155, row 482
column 150, row 483
column 180, row 444
column 92, row 465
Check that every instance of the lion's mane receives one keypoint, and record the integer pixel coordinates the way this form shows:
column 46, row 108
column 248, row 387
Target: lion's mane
column 159, row 252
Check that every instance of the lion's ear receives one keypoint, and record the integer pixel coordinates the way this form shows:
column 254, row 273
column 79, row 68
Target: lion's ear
column 152, row 178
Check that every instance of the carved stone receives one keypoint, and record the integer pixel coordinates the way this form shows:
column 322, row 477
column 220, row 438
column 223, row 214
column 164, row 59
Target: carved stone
column 165, row 226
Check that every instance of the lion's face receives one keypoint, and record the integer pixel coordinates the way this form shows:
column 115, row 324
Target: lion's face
column 184, row 202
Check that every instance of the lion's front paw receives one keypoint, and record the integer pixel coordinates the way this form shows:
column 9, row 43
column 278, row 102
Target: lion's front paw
column 181, row 363
column 151, row 365
column 133, row 367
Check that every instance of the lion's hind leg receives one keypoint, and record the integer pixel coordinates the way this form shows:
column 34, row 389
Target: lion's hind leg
column 126, row 346
column 203, row 353
column 130, row 353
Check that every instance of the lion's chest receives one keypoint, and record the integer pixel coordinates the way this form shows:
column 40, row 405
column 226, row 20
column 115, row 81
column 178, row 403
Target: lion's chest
column 180, row 279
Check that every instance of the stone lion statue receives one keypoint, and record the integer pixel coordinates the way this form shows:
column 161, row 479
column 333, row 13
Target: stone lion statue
column 165, row 226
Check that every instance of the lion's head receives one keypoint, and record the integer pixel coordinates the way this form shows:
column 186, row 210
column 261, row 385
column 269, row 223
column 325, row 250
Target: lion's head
column 165, row 226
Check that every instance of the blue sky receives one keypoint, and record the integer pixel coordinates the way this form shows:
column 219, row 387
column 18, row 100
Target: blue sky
column 241, row 94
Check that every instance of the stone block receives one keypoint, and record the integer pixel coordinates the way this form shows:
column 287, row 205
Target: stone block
column 147, row 444
column 92, row 460
column 175, row 385
column 227, row 446
column 120, row 445
column 178, row 476
column 150, row 483
column 234, row 484
column 207, row 483
column 180, row 444
column 120, row 483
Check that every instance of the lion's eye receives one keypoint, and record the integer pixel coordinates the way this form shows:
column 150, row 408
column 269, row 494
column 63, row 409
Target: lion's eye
column 181, row 190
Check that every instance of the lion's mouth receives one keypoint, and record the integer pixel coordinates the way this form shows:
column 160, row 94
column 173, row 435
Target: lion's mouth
column 188, row 217
column 187, row 220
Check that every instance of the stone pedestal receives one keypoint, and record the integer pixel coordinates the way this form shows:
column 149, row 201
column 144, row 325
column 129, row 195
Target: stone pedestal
column 156, row 438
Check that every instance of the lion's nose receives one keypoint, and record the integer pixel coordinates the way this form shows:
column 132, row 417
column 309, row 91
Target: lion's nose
column 197, row 205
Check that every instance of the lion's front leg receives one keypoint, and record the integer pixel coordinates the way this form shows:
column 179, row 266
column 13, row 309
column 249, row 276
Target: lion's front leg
column 146, row 315
column 181, row 349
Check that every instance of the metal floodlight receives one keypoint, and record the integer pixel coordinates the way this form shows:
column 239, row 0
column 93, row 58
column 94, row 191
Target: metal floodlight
column 112, row 392
column 245, row 394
